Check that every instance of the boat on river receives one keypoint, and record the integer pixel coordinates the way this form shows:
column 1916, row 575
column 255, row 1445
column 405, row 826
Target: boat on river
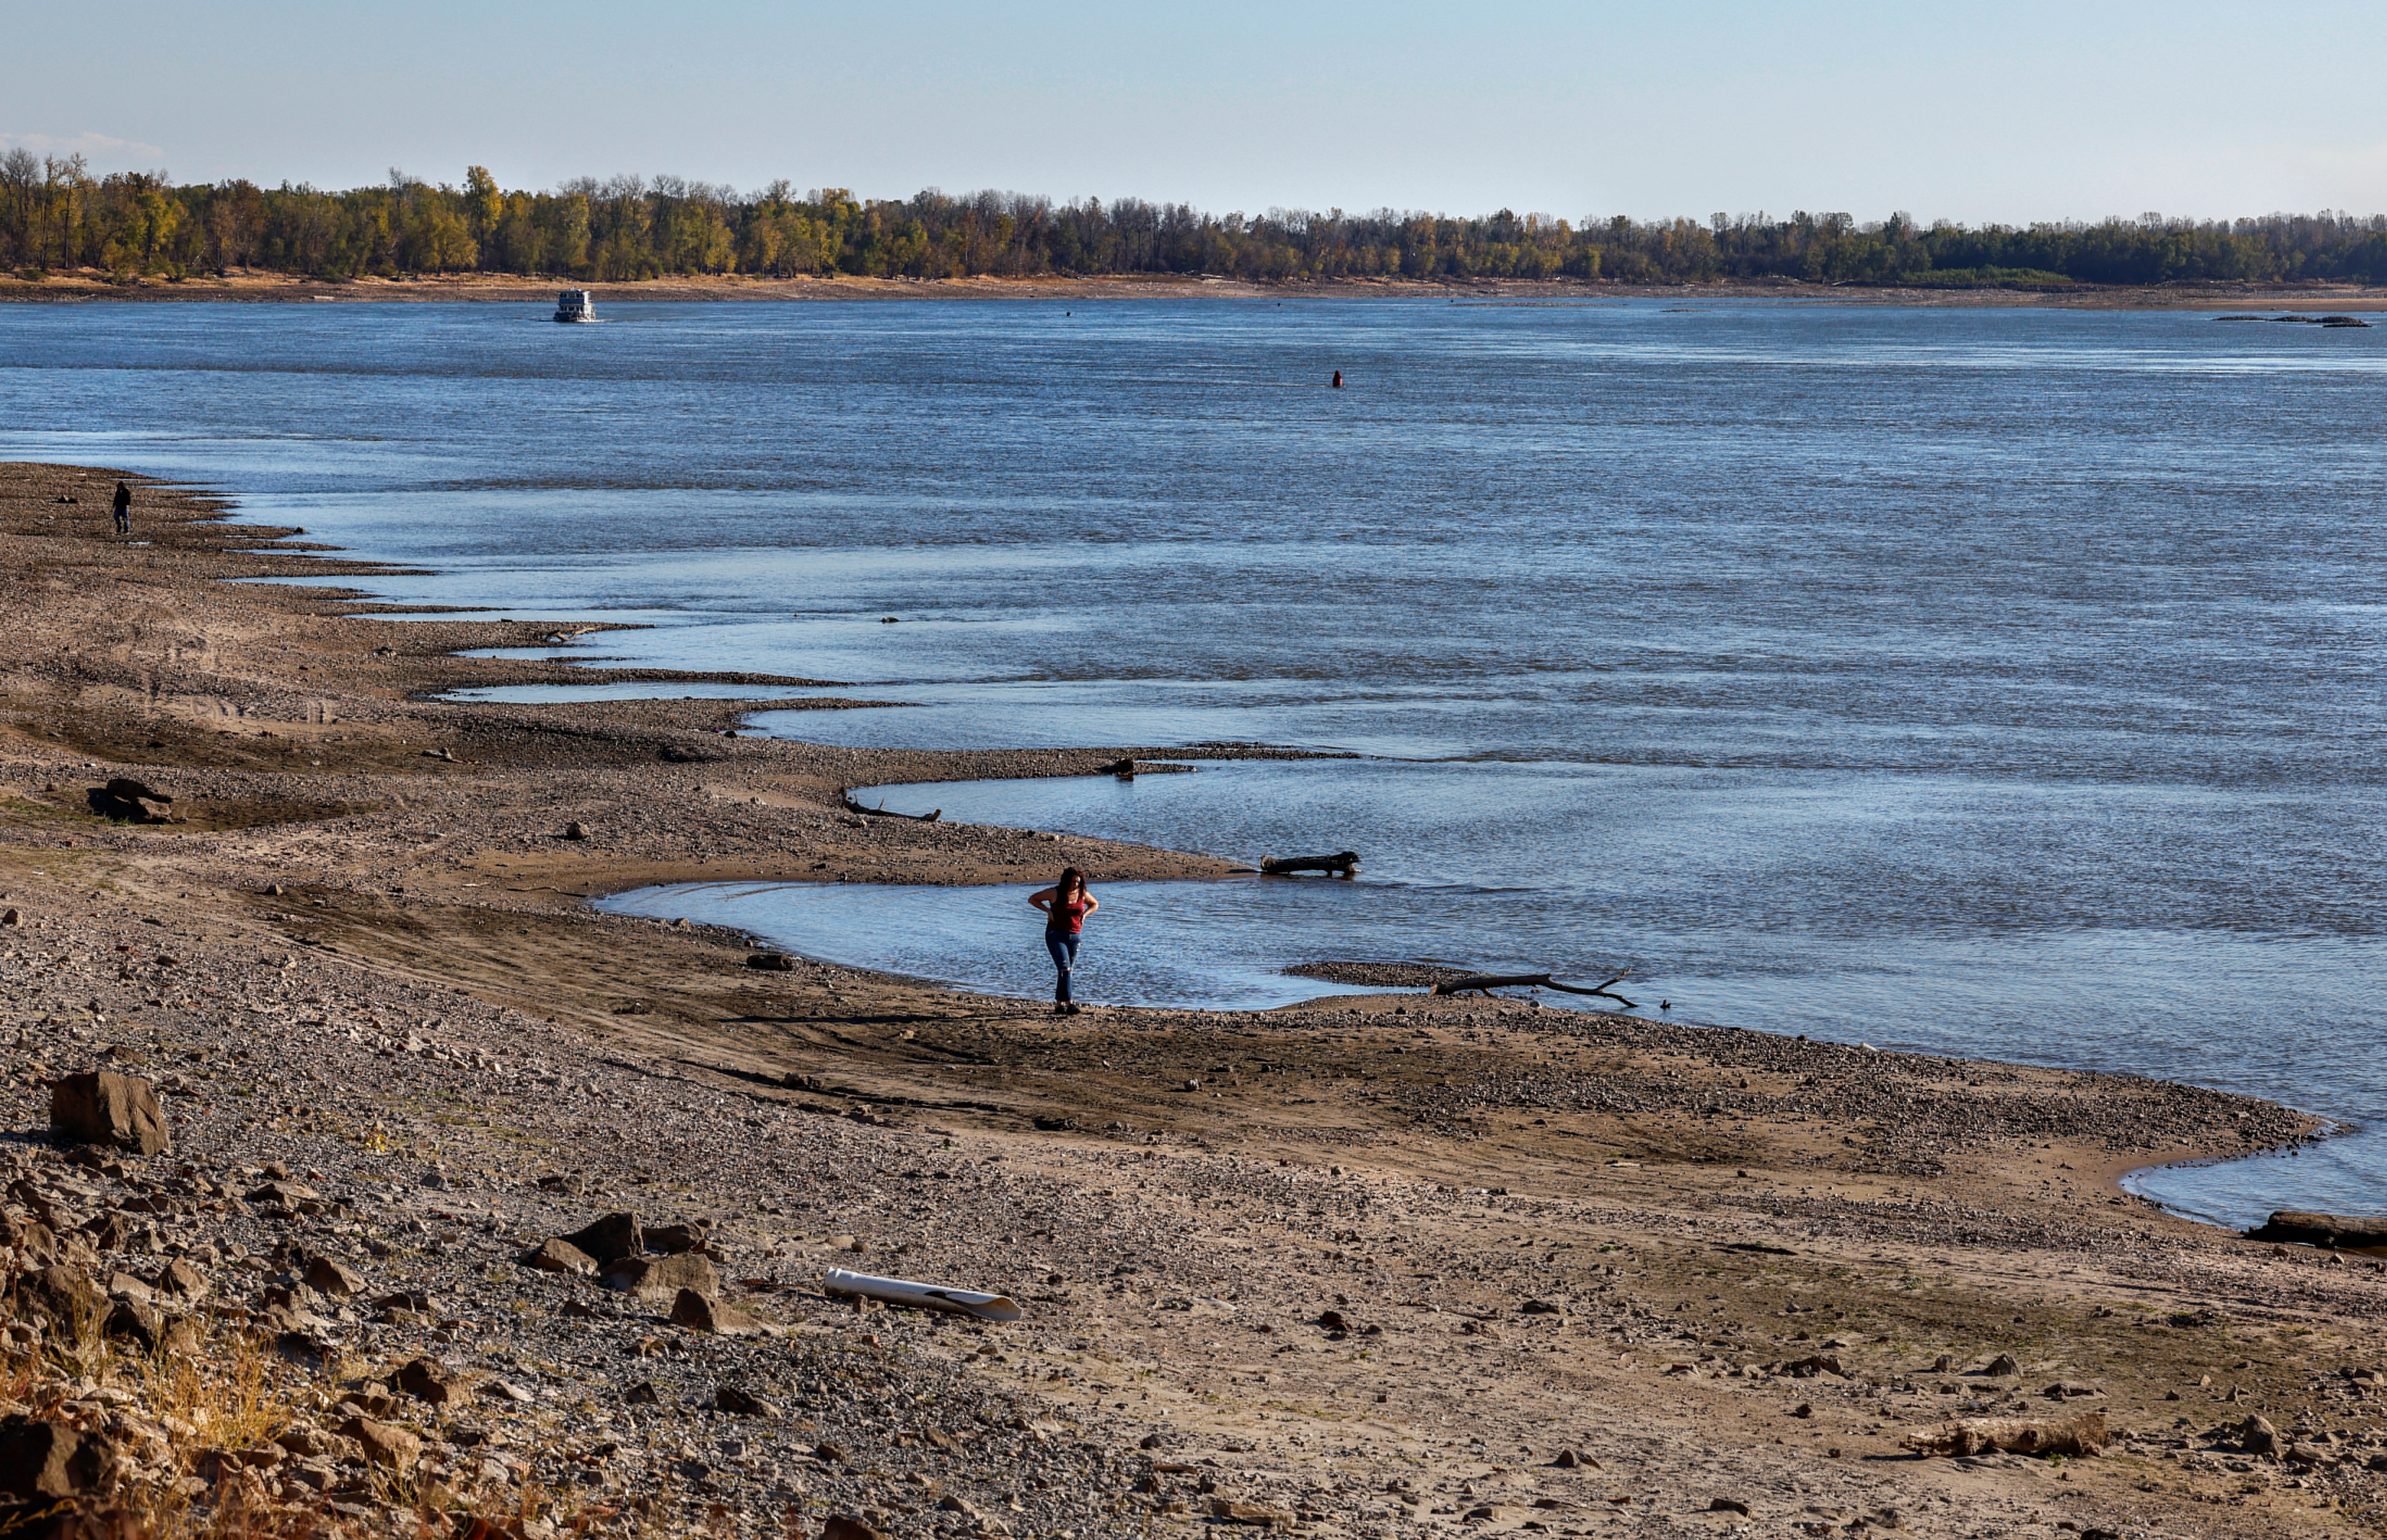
column 574, row 305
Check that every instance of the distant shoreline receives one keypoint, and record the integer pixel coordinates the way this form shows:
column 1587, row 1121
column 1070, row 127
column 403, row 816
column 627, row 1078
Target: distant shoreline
column 474, row 288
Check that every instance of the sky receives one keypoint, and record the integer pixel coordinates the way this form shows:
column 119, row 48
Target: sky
column 2025, row 110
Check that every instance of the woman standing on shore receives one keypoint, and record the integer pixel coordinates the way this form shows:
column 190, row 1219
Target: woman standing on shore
column 1065, row 904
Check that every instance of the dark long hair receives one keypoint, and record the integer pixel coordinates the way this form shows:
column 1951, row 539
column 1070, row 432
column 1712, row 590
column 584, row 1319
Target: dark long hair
column 1070, row 878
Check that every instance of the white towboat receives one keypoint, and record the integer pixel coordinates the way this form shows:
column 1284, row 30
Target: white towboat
column 574, row 305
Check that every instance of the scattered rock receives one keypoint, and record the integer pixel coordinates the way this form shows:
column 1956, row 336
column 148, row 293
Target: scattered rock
column 1728, row 1505
column 102, row 1107
column 559, row 1254
column 143, row 1325
column 844, row 1526
column 429, row 1380
column 63, row 1293
column 740, row 1403
column 326, row 1276
column 773, row 962
column 384, row 1445
column 610, row 1239
column 663, row 1277
column 45, row 1461
column 703, row 1313
column 2002, row 1365
column 576, row 830
column 1237, row 1512
column 183, row 1281
column 671, row 1240
column 2257, row 1436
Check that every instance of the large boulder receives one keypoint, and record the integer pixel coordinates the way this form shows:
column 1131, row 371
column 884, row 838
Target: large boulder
column 138, row 1322
column 102, row 1107
column 663, row 1277
column 44, row 1461
column 327, row 1276
column 674, row 1239
column 610, row 1239
column 429, row 1380
column 2321, row 1230
column 66, row 1294
column 384, row 1445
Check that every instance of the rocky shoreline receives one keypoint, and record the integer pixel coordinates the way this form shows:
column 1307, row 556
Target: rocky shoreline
column 1372, row 1265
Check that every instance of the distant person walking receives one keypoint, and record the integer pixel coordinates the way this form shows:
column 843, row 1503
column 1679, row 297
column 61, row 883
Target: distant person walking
column 1065, row 904
column 123, row 509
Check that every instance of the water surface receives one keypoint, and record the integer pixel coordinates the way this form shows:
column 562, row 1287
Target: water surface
column 1986, row 681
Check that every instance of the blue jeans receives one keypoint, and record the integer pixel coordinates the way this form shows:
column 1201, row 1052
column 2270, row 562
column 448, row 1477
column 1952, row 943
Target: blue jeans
column 1063, row 948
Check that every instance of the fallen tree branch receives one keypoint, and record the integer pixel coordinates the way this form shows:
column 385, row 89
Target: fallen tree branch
column 881, row 812
column 1343, row 865
column 1484, row 983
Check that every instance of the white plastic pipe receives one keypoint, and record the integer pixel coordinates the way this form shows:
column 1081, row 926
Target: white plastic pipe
column 928, row 1296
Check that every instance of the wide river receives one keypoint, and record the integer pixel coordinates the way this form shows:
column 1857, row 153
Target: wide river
column 1991, row 682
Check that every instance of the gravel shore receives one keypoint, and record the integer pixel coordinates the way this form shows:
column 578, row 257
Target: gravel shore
column 1370, row 1266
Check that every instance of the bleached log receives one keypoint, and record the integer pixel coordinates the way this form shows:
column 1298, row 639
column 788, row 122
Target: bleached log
column 841, row 1284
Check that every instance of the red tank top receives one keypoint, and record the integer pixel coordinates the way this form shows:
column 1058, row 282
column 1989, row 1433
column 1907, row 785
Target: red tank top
column 1069, row 918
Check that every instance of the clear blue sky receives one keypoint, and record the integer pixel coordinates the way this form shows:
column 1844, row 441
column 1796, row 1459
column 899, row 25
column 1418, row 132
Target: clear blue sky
column 2027, row 109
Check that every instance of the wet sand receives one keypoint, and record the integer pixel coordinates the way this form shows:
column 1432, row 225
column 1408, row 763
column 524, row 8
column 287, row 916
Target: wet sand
column 1540, row 1230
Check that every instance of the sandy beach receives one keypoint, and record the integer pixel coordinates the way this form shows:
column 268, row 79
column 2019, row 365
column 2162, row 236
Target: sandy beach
column 1372, row 1265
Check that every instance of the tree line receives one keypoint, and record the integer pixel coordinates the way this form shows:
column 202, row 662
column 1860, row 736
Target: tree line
column 55, row 216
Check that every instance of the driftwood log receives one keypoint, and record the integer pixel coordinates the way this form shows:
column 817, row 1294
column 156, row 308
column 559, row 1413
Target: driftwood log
column 2322, row 1229
column 1484, row 983
column 1345, row 864
column 2084, row 1435
column 853, row 806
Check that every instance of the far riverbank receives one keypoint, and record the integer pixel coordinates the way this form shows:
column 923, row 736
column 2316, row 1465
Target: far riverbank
column 90, row 284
